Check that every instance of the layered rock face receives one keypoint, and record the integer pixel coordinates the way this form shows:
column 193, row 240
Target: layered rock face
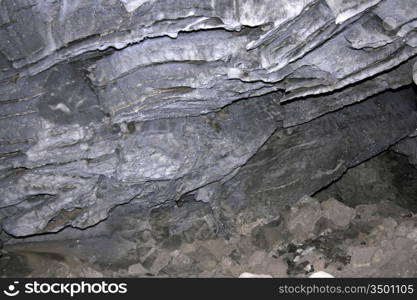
column 135, row 125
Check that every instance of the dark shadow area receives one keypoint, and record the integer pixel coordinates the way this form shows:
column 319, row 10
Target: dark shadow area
column 386, row 177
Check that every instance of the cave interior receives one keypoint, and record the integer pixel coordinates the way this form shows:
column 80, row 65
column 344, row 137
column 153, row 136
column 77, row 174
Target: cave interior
column 271, row 138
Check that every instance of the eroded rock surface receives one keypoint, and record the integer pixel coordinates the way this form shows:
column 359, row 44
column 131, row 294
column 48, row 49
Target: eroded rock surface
column 371, row 244
column 136, row 126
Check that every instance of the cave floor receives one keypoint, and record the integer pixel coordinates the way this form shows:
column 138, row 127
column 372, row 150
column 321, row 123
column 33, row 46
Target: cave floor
column 369, row 240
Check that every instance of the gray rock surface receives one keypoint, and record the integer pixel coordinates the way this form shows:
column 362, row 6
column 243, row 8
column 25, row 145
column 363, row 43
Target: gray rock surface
column 389, row 176
column 408, row 147
column 372, row 244
column 211, row 52
column 301, row 160
column 86, row 170
column 150, row 123
column 337, row 214
column 415, row 73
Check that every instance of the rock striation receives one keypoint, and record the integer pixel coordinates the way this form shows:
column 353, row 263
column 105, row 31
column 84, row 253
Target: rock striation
column 187, row 120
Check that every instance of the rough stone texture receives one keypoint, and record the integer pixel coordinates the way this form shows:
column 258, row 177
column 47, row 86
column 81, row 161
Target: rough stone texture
column 371, row 245
column 306, row 109
column 137, row 270
column 361, row 256
column 96, row 167
column 154, row 123
column 336, row 213
column 408, row 147
column 301, row 160
column 302, row 218
column 211, row 52
column 388, row 176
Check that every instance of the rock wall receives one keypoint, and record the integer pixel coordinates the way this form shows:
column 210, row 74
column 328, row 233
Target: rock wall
column 154, row 122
